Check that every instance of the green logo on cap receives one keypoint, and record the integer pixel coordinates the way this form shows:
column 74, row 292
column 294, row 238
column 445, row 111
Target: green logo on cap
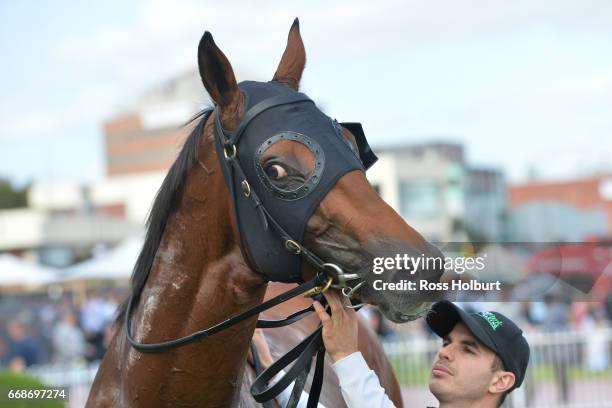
column 490, row 317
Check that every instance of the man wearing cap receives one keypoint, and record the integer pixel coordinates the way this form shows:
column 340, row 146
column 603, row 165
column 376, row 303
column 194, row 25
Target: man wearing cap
column 483, row 357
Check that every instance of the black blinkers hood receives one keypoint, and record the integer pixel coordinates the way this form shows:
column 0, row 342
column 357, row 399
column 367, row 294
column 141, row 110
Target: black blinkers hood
column 266, row 216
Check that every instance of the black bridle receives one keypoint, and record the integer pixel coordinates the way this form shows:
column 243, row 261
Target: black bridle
column 271, row 220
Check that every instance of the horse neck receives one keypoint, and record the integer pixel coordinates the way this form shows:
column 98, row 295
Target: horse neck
column 198, row 279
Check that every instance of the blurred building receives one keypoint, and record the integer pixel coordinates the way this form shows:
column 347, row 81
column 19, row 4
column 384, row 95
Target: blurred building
column 487, row 203
column 65, row 222
column 430, row 185
column 58, row 238
column 146, row 138
column 439, row 194
column 561, row 211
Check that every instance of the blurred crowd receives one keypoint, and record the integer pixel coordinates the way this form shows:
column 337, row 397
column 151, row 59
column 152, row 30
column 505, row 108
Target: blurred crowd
column 551, row 314
column 75, row 329
column 70, row 330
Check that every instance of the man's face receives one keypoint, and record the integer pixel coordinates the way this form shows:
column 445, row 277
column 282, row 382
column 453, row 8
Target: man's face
column 463, row 367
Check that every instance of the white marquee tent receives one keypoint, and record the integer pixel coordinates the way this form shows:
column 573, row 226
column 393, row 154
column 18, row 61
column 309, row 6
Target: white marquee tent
column 112, row 265
column 17, row 272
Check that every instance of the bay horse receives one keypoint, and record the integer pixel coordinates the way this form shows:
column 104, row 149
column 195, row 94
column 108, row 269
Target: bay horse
column 193, row 271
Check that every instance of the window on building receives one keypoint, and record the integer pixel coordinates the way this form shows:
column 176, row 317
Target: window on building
column 419, row 200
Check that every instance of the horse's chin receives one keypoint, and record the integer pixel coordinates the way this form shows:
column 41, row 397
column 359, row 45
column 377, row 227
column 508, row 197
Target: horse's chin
column 403, row 316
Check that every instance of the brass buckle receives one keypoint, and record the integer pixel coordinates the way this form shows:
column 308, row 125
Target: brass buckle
column 293, row 247
column 246, row 188
column 319, row 289
column 229, row 156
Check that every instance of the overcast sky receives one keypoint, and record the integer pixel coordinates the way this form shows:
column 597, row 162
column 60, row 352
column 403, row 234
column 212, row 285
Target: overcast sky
column 523, row 84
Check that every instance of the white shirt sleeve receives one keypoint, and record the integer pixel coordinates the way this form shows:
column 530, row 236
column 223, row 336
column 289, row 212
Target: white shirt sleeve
column 285, row 395
column 359, row 385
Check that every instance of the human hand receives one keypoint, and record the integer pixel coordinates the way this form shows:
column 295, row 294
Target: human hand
column 339, row 329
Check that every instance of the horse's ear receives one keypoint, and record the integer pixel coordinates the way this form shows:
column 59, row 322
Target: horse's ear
column 292, row 63
column 216, row 72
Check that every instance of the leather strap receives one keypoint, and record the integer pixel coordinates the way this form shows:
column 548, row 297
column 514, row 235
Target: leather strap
column 317, row 380
column 232, row 137
column 296, row 393
column 318, row 280
column 292, row 318
column 258, row 369
column 301, row 354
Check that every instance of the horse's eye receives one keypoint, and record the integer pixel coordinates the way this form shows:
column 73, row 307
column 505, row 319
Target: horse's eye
column 276, row 172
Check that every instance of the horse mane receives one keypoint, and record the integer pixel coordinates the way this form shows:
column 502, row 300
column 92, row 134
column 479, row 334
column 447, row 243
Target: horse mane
column 165, row 203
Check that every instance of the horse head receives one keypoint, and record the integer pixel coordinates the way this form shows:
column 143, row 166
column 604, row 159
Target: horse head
column 299, row 193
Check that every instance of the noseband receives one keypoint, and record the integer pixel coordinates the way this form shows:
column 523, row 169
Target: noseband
column 271, row 220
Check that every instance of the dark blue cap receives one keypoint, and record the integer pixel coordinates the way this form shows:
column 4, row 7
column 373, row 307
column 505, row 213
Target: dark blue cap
column 492, row 329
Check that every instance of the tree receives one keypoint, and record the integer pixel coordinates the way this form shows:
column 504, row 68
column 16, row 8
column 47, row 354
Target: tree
column 11, row 197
